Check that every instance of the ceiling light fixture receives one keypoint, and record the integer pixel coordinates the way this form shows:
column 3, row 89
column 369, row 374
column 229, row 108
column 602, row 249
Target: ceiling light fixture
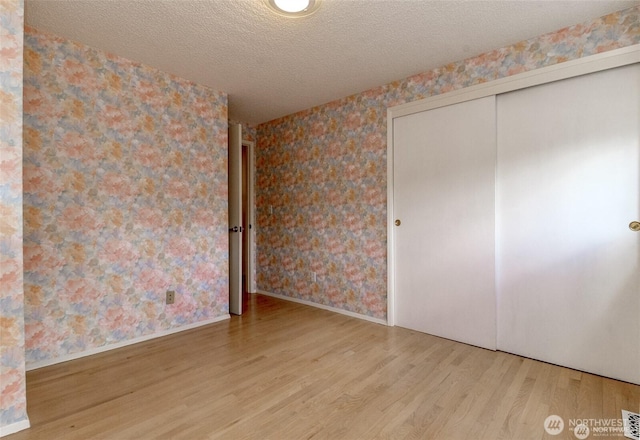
column 294, row 8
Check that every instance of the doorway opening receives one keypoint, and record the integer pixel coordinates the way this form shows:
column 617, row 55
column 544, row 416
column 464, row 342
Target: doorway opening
column 248, row 205
column 241, row 220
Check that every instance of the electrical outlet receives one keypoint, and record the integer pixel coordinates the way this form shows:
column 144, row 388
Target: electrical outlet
column 171, row 296
column 314, row 279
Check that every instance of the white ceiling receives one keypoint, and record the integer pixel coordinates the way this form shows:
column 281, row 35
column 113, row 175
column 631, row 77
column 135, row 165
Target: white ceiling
column 272, row 66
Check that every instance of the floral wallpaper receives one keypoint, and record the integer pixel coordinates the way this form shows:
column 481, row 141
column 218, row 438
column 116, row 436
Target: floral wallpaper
column 125, row 197
column 13, row 403
column 321, row 173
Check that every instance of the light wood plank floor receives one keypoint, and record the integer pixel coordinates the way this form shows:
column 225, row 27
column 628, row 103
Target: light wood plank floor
column 288, row 371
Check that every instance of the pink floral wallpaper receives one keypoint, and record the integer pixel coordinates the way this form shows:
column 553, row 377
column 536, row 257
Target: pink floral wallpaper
column 125, row 197
column 321, row 173
column 13, row 403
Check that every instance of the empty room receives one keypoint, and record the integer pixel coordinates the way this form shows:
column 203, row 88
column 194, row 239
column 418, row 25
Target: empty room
column 327, row 219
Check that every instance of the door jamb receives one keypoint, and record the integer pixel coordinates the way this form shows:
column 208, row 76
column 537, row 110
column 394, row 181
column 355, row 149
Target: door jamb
column 251, row 214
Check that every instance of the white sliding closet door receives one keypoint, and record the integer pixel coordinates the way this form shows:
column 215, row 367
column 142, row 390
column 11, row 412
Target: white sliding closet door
column 567, row 188
column 444, row 190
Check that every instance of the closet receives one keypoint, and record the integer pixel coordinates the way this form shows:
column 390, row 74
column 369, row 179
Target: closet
column 445, row 240
column 510, row 220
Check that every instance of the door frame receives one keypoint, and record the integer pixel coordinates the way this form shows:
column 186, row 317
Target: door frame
column 582, row 66
column 237, row 262
column 251, row 214
column 234, row 208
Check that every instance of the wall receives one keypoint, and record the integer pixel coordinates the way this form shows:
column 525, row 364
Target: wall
column 13, row 403
column 125, row 196
column 321, row 173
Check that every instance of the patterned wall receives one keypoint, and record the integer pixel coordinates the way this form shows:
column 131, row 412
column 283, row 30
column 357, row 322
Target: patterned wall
column 125, row 196
column 13, row 404
column 321, row 173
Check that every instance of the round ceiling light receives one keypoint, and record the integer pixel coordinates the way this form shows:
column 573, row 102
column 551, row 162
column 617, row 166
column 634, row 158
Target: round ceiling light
column 294, row 8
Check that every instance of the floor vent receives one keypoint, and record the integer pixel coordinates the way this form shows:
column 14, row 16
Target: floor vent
column 631, row 423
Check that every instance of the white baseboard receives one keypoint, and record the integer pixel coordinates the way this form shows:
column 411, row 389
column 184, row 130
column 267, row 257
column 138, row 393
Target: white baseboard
column 322, row 306
column 70, row 357
column 14, row 427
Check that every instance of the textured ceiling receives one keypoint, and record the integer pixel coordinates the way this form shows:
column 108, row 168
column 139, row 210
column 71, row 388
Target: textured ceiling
column 272, row 66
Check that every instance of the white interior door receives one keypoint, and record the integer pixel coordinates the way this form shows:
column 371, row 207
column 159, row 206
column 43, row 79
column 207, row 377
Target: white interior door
column 444, row 190
column 567, row 189
column 235, row 219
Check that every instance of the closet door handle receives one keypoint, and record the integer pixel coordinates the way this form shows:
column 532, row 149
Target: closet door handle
column 634, row 226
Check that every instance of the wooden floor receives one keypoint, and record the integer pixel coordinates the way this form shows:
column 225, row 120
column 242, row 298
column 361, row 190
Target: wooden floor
column 288, row 371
